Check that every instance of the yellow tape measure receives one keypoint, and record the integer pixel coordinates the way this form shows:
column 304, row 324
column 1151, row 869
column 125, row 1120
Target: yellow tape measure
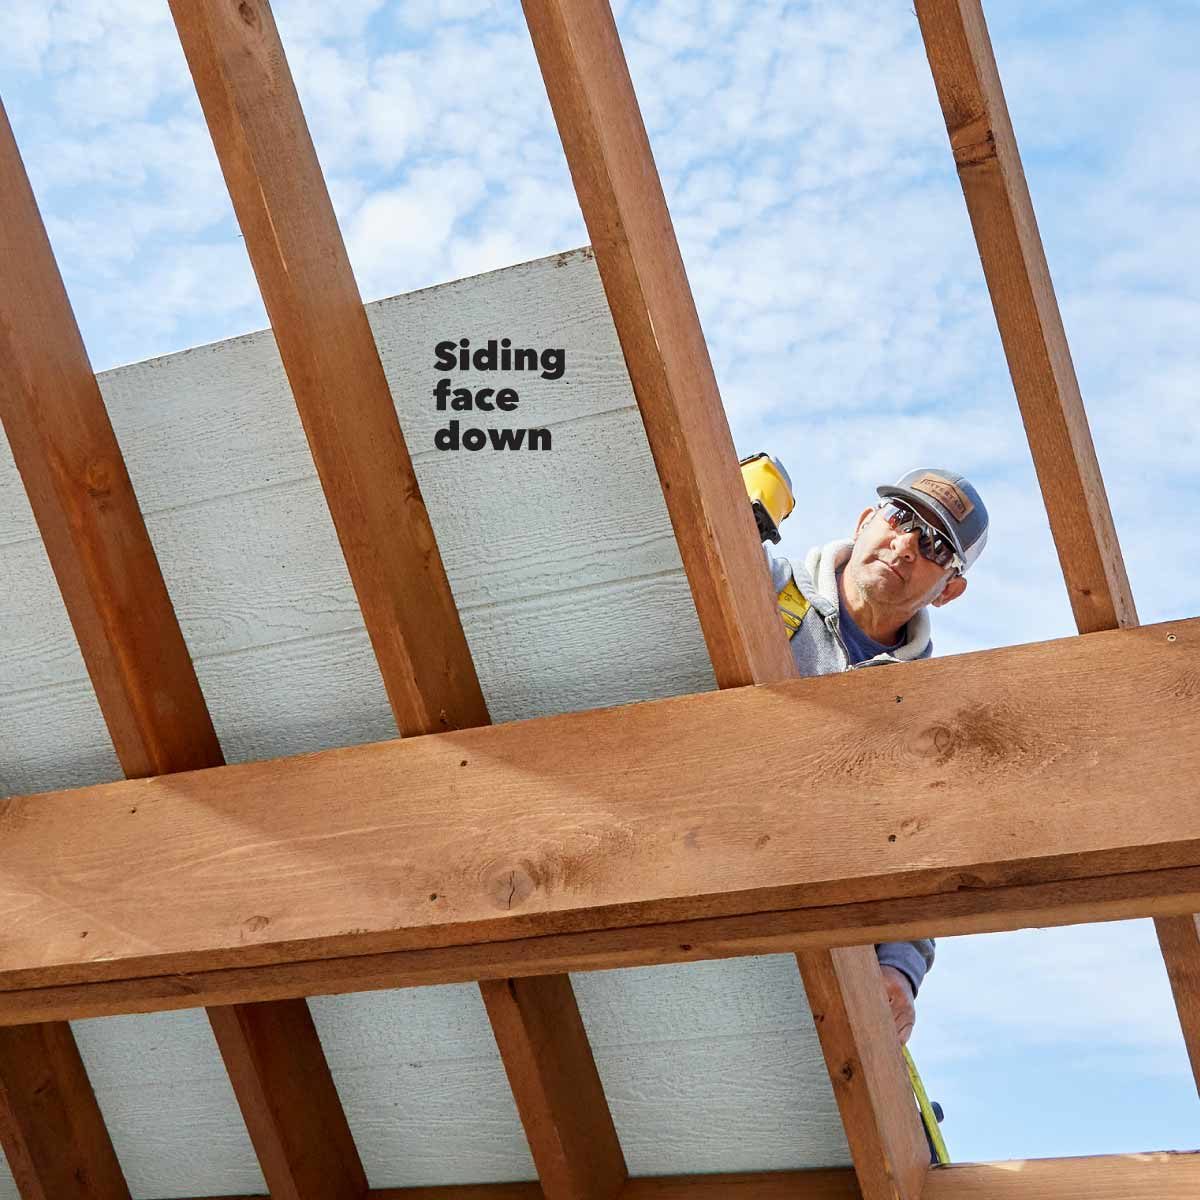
column 932, row 1128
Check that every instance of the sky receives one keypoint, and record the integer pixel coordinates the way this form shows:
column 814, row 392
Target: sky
column 807, row 169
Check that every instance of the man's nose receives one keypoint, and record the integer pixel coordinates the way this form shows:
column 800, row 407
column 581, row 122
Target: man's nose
column 908, row 545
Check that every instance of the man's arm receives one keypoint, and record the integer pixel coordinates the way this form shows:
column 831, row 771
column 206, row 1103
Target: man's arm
column 911, row 959
column 903, row 965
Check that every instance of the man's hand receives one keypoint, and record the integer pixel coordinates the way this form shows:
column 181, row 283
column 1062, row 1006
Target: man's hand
column 900, row 1000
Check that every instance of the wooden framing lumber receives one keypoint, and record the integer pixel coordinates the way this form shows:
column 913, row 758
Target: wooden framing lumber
column 655, row 317
column 1035, row 343
column 553, row 1077
column 623, row 818
column 1031, row 328
column 287, row 1097
column 855, row 1023
column 52, row 1129
column 1073, row 902
column 127, row 630
column 1162, row 1175
column 53, row 1133
column 1179, row 939
column 617, row 183
column 331, row 360
column 1155, row 1176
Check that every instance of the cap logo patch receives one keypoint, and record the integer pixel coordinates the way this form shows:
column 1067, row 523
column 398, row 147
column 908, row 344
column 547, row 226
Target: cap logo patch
column 953, row 497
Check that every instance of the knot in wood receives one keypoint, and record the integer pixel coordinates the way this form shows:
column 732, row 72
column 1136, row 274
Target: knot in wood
column 511, row 886
column 98, row 478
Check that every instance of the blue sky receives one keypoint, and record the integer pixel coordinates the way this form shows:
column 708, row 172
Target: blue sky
column 828, row 246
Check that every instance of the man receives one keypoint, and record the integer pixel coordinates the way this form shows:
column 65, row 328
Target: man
column 865, row 602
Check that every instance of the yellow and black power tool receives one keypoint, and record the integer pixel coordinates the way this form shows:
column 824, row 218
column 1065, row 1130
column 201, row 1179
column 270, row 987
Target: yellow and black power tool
column 769, row 487
column 770, row 490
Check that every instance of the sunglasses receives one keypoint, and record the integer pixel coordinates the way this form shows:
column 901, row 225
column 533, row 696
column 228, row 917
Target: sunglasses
column 932, row 542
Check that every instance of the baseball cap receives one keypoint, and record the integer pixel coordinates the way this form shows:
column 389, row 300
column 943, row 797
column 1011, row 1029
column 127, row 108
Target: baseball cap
column 952, row 501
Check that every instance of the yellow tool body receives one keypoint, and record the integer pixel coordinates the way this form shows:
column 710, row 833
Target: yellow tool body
column 932, row 1129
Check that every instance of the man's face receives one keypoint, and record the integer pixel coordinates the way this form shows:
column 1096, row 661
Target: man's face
column 887, row 569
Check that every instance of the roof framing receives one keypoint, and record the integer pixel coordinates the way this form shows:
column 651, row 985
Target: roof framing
column 332, row 363
column 1043, row 375
column 616, row 180
column 876, row 829
column 101, row 554
column 655, row 863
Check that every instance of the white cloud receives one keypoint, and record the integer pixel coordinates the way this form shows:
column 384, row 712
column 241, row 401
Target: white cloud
column 404, row 234
column 1081, row 989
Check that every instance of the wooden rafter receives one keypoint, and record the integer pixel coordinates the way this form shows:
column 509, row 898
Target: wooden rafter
column 936, row 824
column 1043, row 375
column 54, row 1136
column 50, row 1125
column 332, row 363
column 114, row 593
column 616, row 180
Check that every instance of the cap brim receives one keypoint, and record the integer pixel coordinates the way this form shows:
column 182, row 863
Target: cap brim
column 927, row 504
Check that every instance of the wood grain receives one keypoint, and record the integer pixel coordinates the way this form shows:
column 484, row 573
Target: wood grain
column 1018, row 277
column 333, row 365
column 556, row 1086
column 627, row 816
column 1161, row 1175
column 54, row 1136
column 1179, row 938
column 1073, row 902
column 1155, row 1176
column 96, row 540
column 284, row 1088
column 855, row 1023
column 833, row 1184
column 619, row 191
column 1031, row 328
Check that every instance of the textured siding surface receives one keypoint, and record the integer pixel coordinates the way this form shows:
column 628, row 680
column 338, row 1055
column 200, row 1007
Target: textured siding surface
column 572, row 596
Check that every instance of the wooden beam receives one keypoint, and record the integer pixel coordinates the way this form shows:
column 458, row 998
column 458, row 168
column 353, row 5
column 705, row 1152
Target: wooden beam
column 1179, row 938
column 631, row 816
column 836, row 1183
column 331, row 360
column 550, row 1067
column 1161, row 1175
column 332, row 363
column 1073, row 902
column 127, row 630
column 655, row 317
column 466, row 1191
column 52, row 1130
column 1031, row 328
column 54, row 1136
column 858, row 1038
column 1158, row 1176
column 626, row 213
column 287, row 1097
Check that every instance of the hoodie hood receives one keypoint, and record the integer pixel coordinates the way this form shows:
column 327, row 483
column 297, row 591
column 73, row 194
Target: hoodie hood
column 823, row 564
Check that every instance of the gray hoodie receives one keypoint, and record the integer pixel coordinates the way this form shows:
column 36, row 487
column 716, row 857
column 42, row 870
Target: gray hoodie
column 818, row 649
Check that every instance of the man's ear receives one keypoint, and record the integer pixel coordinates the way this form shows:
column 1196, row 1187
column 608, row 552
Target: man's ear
column 951, row 591
column 863, row 518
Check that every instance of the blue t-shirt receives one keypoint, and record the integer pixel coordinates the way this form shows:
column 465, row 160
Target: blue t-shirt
column 859, row 645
